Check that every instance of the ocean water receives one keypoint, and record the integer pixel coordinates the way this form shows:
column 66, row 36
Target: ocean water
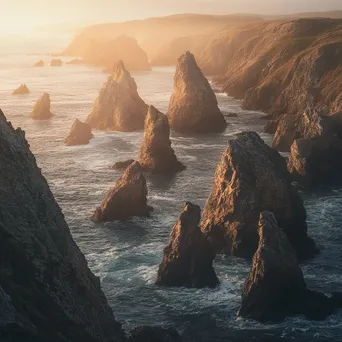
column 126, row 255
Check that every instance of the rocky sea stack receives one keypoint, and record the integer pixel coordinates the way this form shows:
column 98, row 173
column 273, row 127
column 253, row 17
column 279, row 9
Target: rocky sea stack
column 21, row 90
column 41, row 110
column 128, row 198
column 56, row 63
column 251, row 178
column 118, row 106
column 39, row 64
column 80, row 134
column 156, row 153
column 275, row 287
column 188, row 259
column 47, row 292
column 193, row 106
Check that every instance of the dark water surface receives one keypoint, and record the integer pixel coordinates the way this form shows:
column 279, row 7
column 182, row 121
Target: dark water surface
column 126, row 255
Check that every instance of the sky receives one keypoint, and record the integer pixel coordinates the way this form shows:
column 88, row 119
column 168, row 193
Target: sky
column 19, row 16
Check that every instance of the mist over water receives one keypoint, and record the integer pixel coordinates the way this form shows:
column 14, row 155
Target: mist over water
column 126, row 255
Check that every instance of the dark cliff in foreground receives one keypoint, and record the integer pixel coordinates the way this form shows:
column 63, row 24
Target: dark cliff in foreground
column 284, row 67
column 47, row 292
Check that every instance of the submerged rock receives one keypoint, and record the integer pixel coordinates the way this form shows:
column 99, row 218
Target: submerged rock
column 75, row 61
column 22, row 89
column 118, row 106
column 41, row 110
column 275, row 287
column 122, row 165
column 153, row 334
column 126, row 199
column 56, row 63
column 39, row 64
column 291, row 127
column 80, row 134
column 188, row 259
column 47, row 292
column 251, row 178
column 156, row 153
column 193, row 106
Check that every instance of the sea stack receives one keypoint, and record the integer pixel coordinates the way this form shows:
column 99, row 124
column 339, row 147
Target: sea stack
column 47, row 291
column 156, row 153
column 275, row 287
column 193, row 106
column 188, row 259
column 41, row 110
column 251, row 178
column 118, row 106
column 128, row 198
column 56, row 63
column 80, row 134
column 39, row 64
column 21, row 90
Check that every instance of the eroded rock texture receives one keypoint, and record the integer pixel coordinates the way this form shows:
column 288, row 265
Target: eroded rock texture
column 251, row 178
column 193, row 106
column 126, row 199
column 80, row 134
column 118, row 106
column 310, row 124
column 188, row 259
column 275, row 287
column 156, row 153
column 47, row 292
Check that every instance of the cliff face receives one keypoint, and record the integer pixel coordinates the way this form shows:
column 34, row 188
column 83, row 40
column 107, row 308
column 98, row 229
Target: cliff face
column 193, row 105
column 251, row 178
column 105, row 52
column 118, row 106
column 154, row 34
column 48, row 291
column 285, row 67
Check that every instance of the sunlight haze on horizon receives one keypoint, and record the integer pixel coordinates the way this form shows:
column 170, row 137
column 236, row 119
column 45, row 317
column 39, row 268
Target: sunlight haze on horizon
column 23, row 16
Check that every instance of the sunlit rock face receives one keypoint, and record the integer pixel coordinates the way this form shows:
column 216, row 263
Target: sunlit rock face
column 128, row 197
column 118, row 106
column 312, row 123
column 156, row 153
column 188, row 259
column 193, row 106
column 251, row 178
column 41, row 110
column 21, row 90
column 47, row 292
column 275, row 287
column 80, row 134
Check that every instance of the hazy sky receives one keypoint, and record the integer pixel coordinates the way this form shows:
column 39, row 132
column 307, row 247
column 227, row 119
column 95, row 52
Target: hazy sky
column 18, row 15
